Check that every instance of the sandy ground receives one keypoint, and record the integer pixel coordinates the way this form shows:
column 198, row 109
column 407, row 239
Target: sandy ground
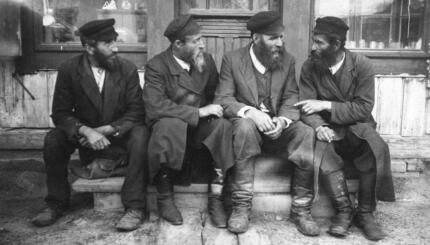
column 406, row 221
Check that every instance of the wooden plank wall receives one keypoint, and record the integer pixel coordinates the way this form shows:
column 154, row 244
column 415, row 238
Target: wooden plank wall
column 402, row 106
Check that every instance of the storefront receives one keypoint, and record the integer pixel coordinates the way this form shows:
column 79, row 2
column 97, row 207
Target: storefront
column 395, row 34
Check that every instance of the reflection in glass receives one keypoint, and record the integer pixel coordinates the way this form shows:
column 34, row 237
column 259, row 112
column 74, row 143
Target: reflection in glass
column 378, row 24
column 62, row 18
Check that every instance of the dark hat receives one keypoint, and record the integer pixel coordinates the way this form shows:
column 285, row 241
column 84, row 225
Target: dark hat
column 99, row 30
column 266, row 22
column 331, row 25
column 182, row 26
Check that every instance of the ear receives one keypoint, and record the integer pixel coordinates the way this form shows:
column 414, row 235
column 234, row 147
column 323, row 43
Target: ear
column 337, row 44
column 178, row 43
column 89, row 49
column 255, row 37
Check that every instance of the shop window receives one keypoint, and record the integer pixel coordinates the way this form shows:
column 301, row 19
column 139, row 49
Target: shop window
column 379, row 24
column 50, row 29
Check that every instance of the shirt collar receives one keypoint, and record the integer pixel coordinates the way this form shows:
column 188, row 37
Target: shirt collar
column 257, row 64
column 182, row 63
column 336, row 67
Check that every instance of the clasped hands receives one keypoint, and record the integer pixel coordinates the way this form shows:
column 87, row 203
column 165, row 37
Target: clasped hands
column 95, row 138
column 271, row 127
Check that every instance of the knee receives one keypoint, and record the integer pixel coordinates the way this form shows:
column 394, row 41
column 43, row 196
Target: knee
column 244, row 127
column 305, row 131
column 55, row 138
column 166, row 124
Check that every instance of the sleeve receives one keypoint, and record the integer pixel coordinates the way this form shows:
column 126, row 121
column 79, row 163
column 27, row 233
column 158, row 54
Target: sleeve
column 361, row 105
column 226, row 90
column 158, row 105
column 135, row 111
column 308, row 91
column 290, row 95
column 63, row 105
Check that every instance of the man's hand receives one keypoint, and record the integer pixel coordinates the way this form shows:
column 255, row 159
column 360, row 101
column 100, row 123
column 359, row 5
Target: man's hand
column 106, row 130
column 211, row 109
column 325, row 133
column 279, row 126
column 96, row 140
column 262, row 120
column 312, row 106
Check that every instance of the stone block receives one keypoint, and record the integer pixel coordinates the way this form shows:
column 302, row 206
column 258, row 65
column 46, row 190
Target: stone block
column 398, row 166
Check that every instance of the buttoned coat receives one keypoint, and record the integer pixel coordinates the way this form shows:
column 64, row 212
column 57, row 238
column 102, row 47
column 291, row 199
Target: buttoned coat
column 238, row 85
column 352, row 104
column 77, row 100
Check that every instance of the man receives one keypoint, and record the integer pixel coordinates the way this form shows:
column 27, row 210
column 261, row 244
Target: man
column 178, row 93
column 257, row 91
column 98, row 109
column 337, row 93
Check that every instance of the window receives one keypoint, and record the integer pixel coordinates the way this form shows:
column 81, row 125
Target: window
column 379, row 24
column 50, row 30
column 226, row 6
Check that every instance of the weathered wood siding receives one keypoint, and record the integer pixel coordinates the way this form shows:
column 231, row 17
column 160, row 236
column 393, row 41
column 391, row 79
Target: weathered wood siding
column 401, row 108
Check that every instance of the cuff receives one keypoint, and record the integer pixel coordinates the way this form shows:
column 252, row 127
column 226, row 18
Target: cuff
column 241, row 112
column 286, row 120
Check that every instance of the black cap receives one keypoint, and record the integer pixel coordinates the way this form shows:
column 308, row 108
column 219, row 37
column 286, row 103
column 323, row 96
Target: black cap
column 182, row 26
column 266, row 22
column 331, row 25
column 99, row 30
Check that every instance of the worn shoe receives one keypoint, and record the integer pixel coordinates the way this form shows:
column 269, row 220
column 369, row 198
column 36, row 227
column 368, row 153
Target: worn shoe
column 131, row 220
column 239, row 219
column 367, row 223
column 216, row 211
column 168, row 209
column 305, row 224
column 340, row 224
column 47, row 217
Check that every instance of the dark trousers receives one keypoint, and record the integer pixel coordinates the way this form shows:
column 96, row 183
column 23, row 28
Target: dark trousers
column 296, row 142
column 166, row 143
column 57, row 151
column 359, row 152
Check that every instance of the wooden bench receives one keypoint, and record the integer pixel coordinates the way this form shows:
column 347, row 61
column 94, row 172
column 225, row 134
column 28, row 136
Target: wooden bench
column 271, row 191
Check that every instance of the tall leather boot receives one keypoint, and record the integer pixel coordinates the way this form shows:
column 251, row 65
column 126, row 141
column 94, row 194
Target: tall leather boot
column 165, row 202
column 242, row 192
column 335, row 185
column 302, row 203
column 216, row 201
column 364, row 218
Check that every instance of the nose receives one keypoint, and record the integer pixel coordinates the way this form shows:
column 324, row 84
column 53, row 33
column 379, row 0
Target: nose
column 201, row 44
column 279, row 41
column 113, row 46
column 314, row 46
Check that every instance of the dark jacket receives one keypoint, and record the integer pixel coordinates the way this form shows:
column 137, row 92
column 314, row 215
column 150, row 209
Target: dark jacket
column 77, row 100
column 352, row 103
column 238, row 85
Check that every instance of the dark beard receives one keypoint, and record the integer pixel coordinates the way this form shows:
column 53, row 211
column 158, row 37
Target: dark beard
column 268, row 58
column 105, row 62
column 325, row 60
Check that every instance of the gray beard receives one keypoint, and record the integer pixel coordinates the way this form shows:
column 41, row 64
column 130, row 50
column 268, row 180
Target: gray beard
column 199, row 61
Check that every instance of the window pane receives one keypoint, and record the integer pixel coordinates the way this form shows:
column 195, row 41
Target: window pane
column 252, row 5
column 377, row 24
column 62, row 18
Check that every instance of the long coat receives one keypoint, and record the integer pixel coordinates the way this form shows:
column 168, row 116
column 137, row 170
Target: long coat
column 238, row 85
column 77, row 100
column 352, row 103
column 170, row 92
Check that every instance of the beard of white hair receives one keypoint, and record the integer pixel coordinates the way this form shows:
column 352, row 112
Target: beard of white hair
column 199, row 61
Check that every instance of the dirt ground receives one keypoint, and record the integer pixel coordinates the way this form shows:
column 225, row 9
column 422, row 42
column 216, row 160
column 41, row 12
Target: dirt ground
column 406, row 221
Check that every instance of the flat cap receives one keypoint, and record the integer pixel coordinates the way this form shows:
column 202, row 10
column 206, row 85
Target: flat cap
column 182, row 26
column 266, row 22
column 99, row 30
column 331, row 25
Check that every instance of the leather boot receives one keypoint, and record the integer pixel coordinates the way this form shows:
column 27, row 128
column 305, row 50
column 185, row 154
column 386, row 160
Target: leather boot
column 364, row 218
column 302, row 203
column 242, row 191
column 335, row 185
column 131, row 220
column 47, row 217
column 216, row 202
column 165, row 201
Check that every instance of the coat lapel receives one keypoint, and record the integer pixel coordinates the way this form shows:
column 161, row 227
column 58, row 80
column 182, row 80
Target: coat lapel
column 247, row 71
column 89, row 84
column 278, row 77
column 347, row 76
column 111, row 90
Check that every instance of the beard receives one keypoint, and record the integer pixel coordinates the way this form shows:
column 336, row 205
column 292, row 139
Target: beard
column 271, row 58
column 325, row 59
column 198, row 61
column 106, row 62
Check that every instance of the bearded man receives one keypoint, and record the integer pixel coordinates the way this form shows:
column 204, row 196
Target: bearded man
column 337, row 91
column 97, row 109
column 258, row 91
column 179, row 88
